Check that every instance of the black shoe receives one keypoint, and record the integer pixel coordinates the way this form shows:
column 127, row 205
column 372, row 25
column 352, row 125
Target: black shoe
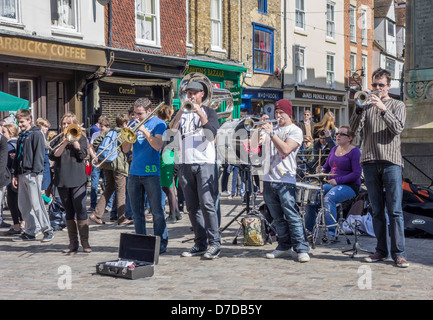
column 212, row 253
column 171, row 218
column 13, row 232
column 24, row 237
column 48, row 236
column 194, row 251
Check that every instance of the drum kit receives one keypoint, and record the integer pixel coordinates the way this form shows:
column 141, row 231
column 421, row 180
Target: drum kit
column 313, row 194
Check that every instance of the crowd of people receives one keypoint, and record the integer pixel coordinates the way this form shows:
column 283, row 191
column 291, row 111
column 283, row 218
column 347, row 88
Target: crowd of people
column 177, row 153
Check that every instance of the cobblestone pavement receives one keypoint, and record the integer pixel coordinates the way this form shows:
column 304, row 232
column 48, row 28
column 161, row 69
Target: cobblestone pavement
column 35, row 270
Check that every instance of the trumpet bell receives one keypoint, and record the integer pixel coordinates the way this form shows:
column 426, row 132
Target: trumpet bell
column 128, row 135
column 73, row 132
column 187, row 106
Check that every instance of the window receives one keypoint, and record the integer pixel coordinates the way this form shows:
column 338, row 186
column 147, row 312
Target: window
column 300, row 64
column 391, row 28
column 364, row 67
column 147, row 22
column 216, row 24
column 263, row 49
column 364, row 27
column 330, row 20
column 9, row 10
column 352, row 24
column 300, row 14
column 263, row 6
column 22, row 88
column 330, row 69
column 390, row 66
column 64, row 14
column 352, row 63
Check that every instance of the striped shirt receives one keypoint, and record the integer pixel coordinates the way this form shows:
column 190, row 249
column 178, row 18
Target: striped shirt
column 381, row 137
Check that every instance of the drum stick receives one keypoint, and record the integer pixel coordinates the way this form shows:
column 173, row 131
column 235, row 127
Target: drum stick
column 320, row 156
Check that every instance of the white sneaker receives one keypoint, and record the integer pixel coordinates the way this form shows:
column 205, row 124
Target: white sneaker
column 225, row 193
column 278, row 253
column 303, row 257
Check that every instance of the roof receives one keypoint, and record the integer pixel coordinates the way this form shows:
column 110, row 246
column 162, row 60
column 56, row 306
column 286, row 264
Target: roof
column 381, row 8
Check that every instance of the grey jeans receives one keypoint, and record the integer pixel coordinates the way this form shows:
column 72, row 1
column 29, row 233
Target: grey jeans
column 198, row 186
column 31, row 205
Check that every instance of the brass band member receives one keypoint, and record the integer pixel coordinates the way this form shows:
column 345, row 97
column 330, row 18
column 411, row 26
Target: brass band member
column 70, row 179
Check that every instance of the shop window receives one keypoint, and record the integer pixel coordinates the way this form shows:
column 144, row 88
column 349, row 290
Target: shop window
column 22, row 88
column 263, row 49
column 263, row 6
column 64, row 14
column 9, row 10
column 216, row 24
column 147, row 20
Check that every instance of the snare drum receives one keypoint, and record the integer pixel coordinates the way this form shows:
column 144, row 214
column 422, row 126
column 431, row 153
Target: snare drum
column 306, row 193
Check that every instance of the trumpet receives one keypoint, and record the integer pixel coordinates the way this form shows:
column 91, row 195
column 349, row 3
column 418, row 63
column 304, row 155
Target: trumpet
column 250, row 124
column 187, row 106
column 72, row 133
column 362, row 98
column 126, row 135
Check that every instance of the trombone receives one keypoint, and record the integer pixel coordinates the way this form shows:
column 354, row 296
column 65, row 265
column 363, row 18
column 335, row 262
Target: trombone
column 126, row 134
column 72, row 133
column 362, row 98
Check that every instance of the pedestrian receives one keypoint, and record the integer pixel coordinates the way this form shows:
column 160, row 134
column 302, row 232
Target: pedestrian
column 28, row 168
column 144, row 173
column 115, row 173
column 327, row 123
column 382, row 120
column 197, row 175
column 279, row 182
column 45, row 125
column 70, row 178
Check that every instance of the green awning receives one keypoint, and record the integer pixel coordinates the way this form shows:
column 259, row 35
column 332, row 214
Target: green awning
column 220, row 66
column 11, row 103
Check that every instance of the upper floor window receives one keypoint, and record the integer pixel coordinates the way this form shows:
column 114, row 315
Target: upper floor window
column 364, row 27
column 330, row 69
column 147, row 22
column 64, row 14
column 9, row 10
column 263, row 6
column 300, row 71
column 330, row 20
column 216, row 23
column 263, row 49
column 352, row 23
column 391, row 28
column 364, row 67
column 300, row 14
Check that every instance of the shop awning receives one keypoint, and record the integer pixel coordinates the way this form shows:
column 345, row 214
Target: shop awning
column 11, row 103
column 219, row 66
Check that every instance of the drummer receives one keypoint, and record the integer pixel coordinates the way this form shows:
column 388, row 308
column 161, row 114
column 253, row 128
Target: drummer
column 343, row 162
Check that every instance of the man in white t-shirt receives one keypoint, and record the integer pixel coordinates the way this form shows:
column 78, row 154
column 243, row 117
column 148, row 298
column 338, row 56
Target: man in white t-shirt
column 279, row 182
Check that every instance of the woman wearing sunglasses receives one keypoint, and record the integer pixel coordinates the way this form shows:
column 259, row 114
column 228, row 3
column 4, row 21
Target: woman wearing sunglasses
column 343, row 163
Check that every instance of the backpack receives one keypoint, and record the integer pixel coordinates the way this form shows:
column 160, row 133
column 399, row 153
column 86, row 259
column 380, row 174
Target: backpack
column 110, row 152
column 413, row 193
column 256, row 230
column 57, row 215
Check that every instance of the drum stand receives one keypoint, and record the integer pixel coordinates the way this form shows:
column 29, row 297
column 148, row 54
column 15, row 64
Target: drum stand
column 321, row 224
column 356, row 245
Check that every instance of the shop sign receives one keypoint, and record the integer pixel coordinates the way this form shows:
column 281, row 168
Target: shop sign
column 207, row 72
column 114, row 89
column 318, row 96
column 51, row 51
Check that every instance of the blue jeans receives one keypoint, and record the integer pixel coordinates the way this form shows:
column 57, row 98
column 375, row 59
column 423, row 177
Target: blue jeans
column 332, row 196
column 137, row 187
column 281, row 201
column 384, row 186
column 94, row 183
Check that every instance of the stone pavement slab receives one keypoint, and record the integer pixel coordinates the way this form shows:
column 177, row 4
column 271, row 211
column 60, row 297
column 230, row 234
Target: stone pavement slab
column 35, row 270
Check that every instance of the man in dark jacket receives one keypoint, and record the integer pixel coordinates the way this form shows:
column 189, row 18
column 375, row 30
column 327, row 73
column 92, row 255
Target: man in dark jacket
column 5, row 175
column 28, row 167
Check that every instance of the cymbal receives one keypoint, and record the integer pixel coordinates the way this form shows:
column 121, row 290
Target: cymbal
column 319, row 175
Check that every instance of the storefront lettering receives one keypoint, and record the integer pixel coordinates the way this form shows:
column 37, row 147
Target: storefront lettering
column 51, row 50
column 207, row 72
column 126, row 91
column 268, row 95
column 318, row 96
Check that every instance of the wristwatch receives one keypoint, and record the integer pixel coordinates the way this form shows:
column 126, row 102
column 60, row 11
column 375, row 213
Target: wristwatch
column 272, row 134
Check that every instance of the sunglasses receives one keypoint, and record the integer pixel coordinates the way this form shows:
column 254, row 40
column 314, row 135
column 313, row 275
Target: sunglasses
column 381, row 85
column 342, row 134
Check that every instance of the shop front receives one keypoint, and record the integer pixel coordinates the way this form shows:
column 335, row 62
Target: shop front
column 261, row 100
column 224, row 76
column 319, row 101
column 48, row 74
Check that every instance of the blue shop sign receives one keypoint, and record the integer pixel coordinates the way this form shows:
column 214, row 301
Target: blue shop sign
column 262, row 94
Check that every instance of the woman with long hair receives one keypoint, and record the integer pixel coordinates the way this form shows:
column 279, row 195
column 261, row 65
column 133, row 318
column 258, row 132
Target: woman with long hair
column 70, row 179
column 327, row 123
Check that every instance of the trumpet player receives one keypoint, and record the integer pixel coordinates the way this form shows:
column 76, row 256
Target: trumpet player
column 70, row 178
column 383, row 120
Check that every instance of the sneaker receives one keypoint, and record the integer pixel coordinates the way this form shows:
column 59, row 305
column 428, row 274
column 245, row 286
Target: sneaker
column 24, row 237
column 230, row 197
column 225, row 194
column 212, row 253
column 401, row 262
column 13, row 232
column 303, row 257
column 375, row 258
column 194, row 251
column 278, row 254
column 48, row 236
column 171, row 219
